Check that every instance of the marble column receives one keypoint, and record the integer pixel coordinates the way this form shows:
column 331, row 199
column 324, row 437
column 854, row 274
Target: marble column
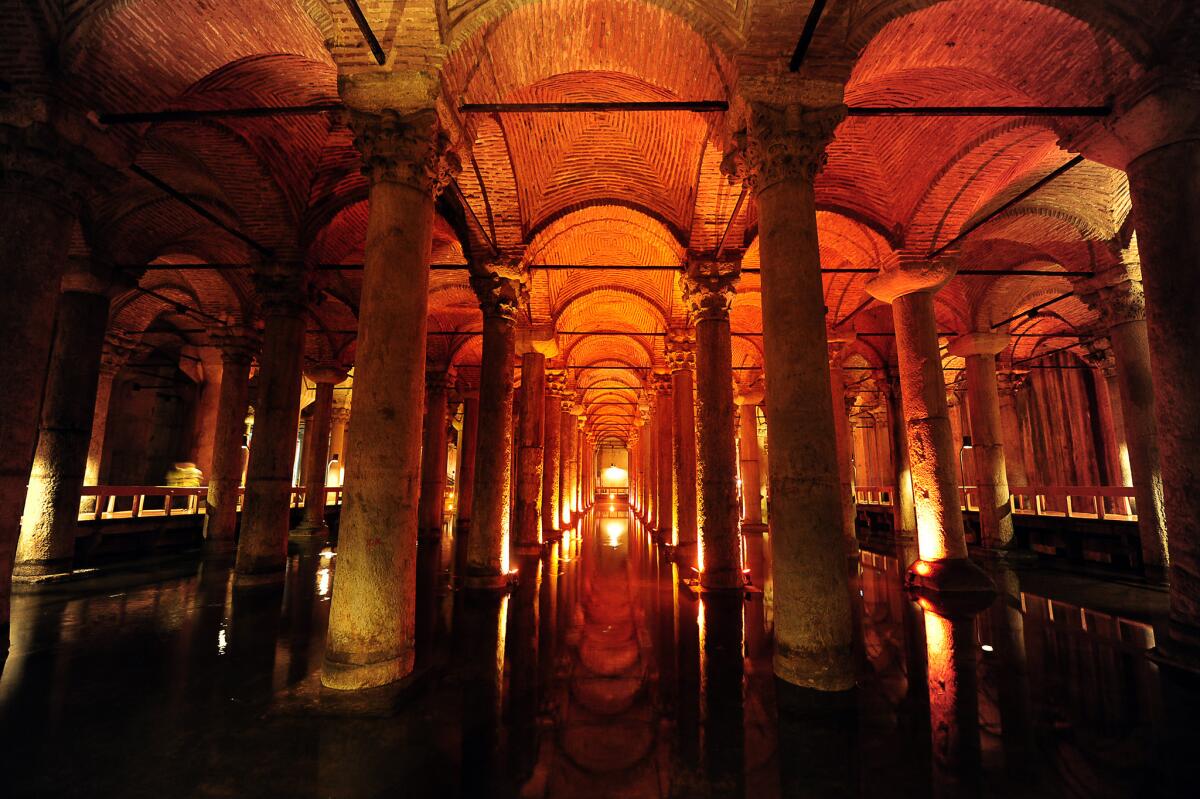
column 488, row 546
column 118, row 347
column 338, row 419
column 569, row 438
column 556, row 381
column 1009, row 384
column 1119, row 297
column 845, row 443
column 783, row 150
column 312, row 527
column 220, row 513
column 266, row 509
column 531, row 454
column 373, row 613
column 933, row 456
column 904, row 514
column 987, row 436
column 432, row 501
column 681, row 356
column 39, row 200
column 204, row 417
column 465, row 482
column 664, row 450
column 748, row 461
column 708, row 291
column 1108, row 405
column 47, row 542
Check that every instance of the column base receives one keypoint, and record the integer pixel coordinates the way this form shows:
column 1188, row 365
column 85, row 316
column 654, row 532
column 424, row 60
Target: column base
column 304, row 530
column 492, row 583
column 753, row 528
column 31, row 572
column 725, row 580
column 527, row 549
column 256, row 579
column 1008, row 554
column 219, row 547
column 341, row 676
column 949, row 576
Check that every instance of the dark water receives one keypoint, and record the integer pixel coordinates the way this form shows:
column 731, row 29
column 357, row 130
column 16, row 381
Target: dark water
column 597, row 677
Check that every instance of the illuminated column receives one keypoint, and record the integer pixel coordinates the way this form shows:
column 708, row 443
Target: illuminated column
column 1009, row 384
column 47, row 543
column 262, row 545
column 708, row 290
column 556, row 383
column 312, row 527
column 432, row 502
column 204, row 417
column 373, row 612
column 664, row 506
column 933, row 460
column 784, row 148
column 339, row 416
column 465, row 481
column 1108, row 405
column 117, row 349
column 531, row 454
column 987, row 436
column 569, row 438
column 845, row 443
column 39, row 198
column 748, row 458
column 220, row 513
column 1119, row 298
column 488, row 545
column 903, row 511
column 681, row 346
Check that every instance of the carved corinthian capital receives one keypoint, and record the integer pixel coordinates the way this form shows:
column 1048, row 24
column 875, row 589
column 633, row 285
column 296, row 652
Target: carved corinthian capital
column 499, row 296
column 709, row 286
column 411, row 150
column 781, row 143
column 681, row 350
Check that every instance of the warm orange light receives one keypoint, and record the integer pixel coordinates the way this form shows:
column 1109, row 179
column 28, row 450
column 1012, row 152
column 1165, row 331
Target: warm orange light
column 922, row 568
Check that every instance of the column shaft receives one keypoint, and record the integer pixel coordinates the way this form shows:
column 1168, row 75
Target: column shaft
column 748, row 460
column 205, row 415
column 684, row 465
column 313, row 524
column 262, row 545
column 531, row 455
column 551, row 475
column 47, row 542
column 570, row 437
column 488, row 548
column 220, row 513
column 987, row 440
column 845, row 446
column 432, row 502
column 665, row 504
column 465, row 483
column 903, row 510
column 95, row 457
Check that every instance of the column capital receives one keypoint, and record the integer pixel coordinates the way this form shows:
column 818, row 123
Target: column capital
column 781, row 142
column 1010, row 381
column 978, row 343
column 333, row 373
column 281, row 288
column 499, row 296
column 661, row 384
column 709, row 285
column 838, row 342
column 556, row 382
column 35, row 159
column 1116, row 294
column 681, row 349
column 1100, row 355
column 440, row 380
column 118, row 347
column 409, row 149
column 339, row 413
column 238, row 343
column 912, row 276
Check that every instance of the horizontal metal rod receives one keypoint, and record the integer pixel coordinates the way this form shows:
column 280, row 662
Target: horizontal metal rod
column 593, row 106
column 1034, row 309
column 980, row 110
column 200, row 114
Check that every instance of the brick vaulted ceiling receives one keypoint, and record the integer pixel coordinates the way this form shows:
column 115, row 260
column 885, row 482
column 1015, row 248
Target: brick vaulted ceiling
column 618, row 189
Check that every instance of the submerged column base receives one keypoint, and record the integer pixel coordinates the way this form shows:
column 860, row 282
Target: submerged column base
column 349, row 676
column 949, row 576
column 42, row 571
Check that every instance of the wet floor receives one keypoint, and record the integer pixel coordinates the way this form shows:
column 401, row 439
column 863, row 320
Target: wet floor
column 597, row 677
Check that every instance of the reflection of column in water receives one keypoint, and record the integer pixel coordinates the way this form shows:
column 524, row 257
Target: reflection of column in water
column 548, row 616
column 253, row 632
column 482, row 627
column 523, row 666
column 818, row 742
column 429, row 567
column 687, row 636
column 953, row 702
column 301, row 599
column 1016, row 708
column 664, row 631
column 722, row 688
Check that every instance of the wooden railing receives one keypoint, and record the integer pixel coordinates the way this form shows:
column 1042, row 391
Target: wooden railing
column 1074, row 502
column 141, row 502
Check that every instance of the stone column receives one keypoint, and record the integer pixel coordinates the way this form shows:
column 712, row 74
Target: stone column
column 1119, row 297
column 312, row 528
column 708, row 290
column 465, row 482
column 1009, row 384
column 783, row 149
column 339, row 416
column 47, row 543
column 987, row 436
column 569, row 438
column 39, row 199
column 531, row 454
column 748, row 456
column 118, row 347
column 556, row 381
column 262, row 545
column 681, row 355
column 845, row 444
column 903, row 510
column 665, row 449
column 432, row 500
column 220, row 512
column 1108, row 406
column 373, row 613
column 204, row 420
column 933, row 456
column 488, row 547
